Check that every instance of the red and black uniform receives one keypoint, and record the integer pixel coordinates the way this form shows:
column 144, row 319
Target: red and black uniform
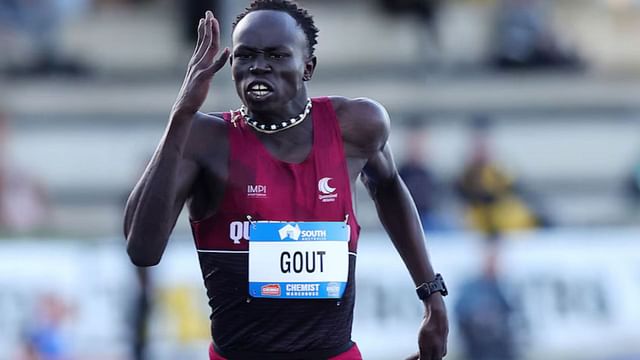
column 269, row 189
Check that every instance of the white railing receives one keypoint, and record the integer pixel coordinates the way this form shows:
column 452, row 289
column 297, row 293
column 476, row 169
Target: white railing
column 576, row 294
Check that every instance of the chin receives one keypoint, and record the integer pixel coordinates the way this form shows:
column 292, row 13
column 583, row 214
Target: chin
column 262, row 104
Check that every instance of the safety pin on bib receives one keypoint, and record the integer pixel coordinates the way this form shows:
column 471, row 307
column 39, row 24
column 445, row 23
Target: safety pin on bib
column 253, row 223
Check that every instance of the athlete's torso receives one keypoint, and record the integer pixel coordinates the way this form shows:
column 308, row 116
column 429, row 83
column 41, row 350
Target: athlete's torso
column 257, row 184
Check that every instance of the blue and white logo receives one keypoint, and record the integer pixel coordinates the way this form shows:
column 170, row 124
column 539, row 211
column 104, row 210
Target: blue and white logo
column 290, row 231
column 334, row 289
column 326, row 193
column 324, row 187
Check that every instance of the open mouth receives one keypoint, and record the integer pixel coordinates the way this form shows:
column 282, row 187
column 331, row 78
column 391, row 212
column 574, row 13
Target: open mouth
column 259, row 90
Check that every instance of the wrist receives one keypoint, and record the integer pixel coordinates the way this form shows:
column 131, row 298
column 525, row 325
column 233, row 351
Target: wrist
column 434, row 305
column 431, row 288
column 435, row 298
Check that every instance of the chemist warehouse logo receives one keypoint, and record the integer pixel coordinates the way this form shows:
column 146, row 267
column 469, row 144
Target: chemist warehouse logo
column 295, row 233
column 271, row 290
column 326, row 192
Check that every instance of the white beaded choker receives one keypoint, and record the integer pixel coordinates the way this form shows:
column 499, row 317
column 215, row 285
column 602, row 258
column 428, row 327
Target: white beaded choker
column 274, row 128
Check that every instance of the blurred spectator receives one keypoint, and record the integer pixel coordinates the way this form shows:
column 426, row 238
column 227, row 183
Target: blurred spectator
column 426, row 13
column 421, row 181
column 193, row 11
column 23, row 203
column 45, row 338
column 142, row 301
column 141, row 314
column 484, row 315
column 525, row 39
column 39, row 23
column 633, row 188
column 425, row 10
column 494, row 201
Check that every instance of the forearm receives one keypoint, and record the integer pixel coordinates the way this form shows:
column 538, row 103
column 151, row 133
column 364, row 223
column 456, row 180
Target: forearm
column 399, row 216
column 152, row 208
column 400, row 219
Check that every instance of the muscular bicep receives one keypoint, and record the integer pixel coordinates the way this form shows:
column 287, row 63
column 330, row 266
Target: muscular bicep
column 379, row 169
column 186, row 174
column 171, row 174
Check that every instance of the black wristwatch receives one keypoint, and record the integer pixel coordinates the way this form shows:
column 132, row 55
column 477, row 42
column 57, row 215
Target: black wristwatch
column 437, row 285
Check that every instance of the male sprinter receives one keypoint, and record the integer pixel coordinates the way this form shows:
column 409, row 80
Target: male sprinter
column 269, row 189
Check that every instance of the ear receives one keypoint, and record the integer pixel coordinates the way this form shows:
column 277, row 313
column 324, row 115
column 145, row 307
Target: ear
column 309, row 68
column 230, row 65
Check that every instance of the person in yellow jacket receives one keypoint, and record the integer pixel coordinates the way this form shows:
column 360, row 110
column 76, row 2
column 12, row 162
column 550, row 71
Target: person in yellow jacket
column 493, row 202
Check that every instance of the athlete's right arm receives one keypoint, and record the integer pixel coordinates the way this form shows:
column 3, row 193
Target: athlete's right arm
column 158, row 197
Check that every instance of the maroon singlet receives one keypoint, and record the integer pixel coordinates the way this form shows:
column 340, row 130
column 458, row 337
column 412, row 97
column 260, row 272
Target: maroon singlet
column 266, row 188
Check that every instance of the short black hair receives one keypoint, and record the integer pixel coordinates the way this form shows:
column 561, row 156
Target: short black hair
column 302, row 17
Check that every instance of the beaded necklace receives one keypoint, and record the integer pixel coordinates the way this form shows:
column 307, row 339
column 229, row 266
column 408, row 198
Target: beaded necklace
column 274, row 128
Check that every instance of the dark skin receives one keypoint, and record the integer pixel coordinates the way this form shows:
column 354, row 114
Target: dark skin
column 190, row 164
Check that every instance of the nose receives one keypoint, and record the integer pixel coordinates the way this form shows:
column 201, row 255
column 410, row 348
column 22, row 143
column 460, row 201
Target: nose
column 260, row 65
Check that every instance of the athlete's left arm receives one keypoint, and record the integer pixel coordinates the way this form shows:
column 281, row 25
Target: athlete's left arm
column 399, row 216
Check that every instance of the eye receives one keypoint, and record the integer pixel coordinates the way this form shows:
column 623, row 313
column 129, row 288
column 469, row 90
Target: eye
column 242, row 56
column 277, row 56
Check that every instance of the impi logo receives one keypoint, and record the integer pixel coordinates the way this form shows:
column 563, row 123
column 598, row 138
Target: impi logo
column 290, row 231
column 257, row 191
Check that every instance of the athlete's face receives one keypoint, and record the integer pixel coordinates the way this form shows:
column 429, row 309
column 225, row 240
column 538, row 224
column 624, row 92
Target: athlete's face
column 270, row 60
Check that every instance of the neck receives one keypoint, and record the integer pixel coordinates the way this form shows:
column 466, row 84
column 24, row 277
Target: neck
column 276, row 115
column 297, row 135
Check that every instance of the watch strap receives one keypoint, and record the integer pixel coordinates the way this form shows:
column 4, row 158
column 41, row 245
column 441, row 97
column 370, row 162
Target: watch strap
column 436, row 285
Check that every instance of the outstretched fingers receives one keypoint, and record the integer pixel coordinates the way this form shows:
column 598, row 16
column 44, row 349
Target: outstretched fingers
column 204, row 41
column 219, row 63
column 215, row 27
column 200, row 36
column 213, row 44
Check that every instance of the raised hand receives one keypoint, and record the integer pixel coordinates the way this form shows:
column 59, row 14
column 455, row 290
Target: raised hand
column 202, row 66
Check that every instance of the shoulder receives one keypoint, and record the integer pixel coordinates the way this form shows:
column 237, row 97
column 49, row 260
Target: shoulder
column 364, row 122
column 209, row 132
column 211, row 122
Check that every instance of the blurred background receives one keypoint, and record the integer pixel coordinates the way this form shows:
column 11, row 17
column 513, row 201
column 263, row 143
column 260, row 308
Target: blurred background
column 515, row 124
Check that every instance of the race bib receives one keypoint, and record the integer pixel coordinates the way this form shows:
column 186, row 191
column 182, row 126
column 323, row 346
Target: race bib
column 298, row 260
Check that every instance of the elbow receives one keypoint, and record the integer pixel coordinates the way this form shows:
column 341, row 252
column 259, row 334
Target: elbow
column 143, row 262
column 141, row 257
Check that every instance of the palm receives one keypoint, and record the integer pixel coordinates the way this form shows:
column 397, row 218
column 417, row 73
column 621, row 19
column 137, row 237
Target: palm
column 202, row 66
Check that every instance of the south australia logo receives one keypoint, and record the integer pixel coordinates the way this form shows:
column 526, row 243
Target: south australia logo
column 290, row 231
column 326, row 192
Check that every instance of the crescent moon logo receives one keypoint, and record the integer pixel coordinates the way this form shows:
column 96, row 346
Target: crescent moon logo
column 324, row 187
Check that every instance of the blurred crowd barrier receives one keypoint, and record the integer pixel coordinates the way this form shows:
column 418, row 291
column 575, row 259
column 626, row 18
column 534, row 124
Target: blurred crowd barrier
column 573, row 294
column 81, row 125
